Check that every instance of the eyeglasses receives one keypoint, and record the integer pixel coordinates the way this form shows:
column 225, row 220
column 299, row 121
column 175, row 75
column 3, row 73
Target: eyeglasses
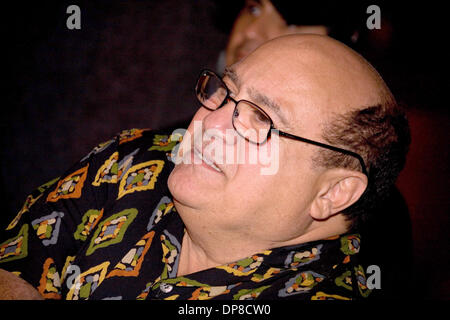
column 249, row 120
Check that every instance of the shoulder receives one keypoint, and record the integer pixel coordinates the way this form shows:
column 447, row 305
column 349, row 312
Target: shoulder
column 139, row 143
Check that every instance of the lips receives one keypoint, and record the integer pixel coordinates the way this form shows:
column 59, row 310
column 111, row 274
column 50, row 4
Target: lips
column 209, row 162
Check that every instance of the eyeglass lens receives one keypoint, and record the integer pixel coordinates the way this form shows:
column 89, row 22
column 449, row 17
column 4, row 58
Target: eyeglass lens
column 248, row 120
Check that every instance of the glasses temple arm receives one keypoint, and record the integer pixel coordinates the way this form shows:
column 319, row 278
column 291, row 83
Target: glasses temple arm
column 327, row 146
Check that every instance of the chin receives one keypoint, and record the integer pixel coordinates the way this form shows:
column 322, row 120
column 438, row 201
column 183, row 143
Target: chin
column 176, row 183
column 183, row 188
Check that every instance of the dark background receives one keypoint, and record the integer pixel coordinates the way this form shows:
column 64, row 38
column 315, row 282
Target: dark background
column 134, row 64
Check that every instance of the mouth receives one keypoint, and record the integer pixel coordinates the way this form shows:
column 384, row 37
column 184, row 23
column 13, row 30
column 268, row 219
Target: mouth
column 205, row 160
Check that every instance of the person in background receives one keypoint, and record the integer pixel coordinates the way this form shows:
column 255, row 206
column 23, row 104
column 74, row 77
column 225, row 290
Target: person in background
column 261, row 20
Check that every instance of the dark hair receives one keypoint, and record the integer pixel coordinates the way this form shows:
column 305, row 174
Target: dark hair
column 380, row 134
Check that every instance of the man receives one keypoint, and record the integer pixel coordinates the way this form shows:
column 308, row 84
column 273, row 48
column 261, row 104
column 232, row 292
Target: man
column 109, row 229
column 263, row 20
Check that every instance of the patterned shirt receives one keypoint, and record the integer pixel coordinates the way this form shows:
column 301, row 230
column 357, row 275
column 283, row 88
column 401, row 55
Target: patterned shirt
column 108, row 229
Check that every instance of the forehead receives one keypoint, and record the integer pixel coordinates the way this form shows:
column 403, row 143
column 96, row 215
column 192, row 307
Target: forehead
column 258, row 97
column 287, row 83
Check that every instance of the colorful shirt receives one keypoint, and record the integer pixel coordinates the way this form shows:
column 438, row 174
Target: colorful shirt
column 108, row 229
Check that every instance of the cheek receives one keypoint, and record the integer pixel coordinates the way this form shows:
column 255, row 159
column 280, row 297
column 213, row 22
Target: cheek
column 274, row 28
column 292, row 180
column 258, row 176
column 240, row 26
column 260, row 199
column 237, row 37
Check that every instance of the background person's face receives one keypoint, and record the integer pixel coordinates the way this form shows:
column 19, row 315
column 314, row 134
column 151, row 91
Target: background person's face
column 258, row 22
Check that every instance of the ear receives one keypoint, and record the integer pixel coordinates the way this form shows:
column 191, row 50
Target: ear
column 338, row 189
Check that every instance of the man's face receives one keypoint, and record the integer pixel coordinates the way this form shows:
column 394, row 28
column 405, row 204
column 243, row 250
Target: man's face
column 237, row 196
column 258, row 22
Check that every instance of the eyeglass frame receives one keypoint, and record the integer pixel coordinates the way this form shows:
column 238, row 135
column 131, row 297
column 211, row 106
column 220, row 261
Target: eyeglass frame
column 272, row 126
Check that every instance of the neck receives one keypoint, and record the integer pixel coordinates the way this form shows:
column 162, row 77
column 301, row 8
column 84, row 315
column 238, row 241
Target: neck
column 211, row 248
column 194, row 258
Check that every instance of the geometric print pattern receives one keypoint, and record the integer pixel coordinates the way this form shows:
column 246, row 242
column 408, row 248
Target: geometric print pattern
column 99, row 148
column 30, row 200
column 15, row 248
column 112, row 171
column 296, row 259
column 86, row 283
column 130, row 135
column 165, row 206
column 350, row 244
column 25, row 208
column 88, row 223
column 171, row 249
column 50, row 284
column 108, row 171
column 47, row 227
column 245, row 267
column 131, row 263
column 111, row 230
column 361, row 281
column 162, row 143
column 249, row 294
column 69, row 187
column 140, row 177
column 301, row 283
column 320, row 295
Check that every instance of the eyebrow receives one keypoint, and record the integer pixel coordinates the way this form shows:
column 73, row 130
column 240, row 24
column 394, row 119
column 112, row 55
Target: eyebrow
column 260, row 98
column 257, row 97
column 231, row 73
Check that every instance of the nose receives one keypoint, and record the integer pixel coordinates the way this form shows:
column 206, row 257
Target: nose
column 219, row 122
column 221, row 118
column 255, row 30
